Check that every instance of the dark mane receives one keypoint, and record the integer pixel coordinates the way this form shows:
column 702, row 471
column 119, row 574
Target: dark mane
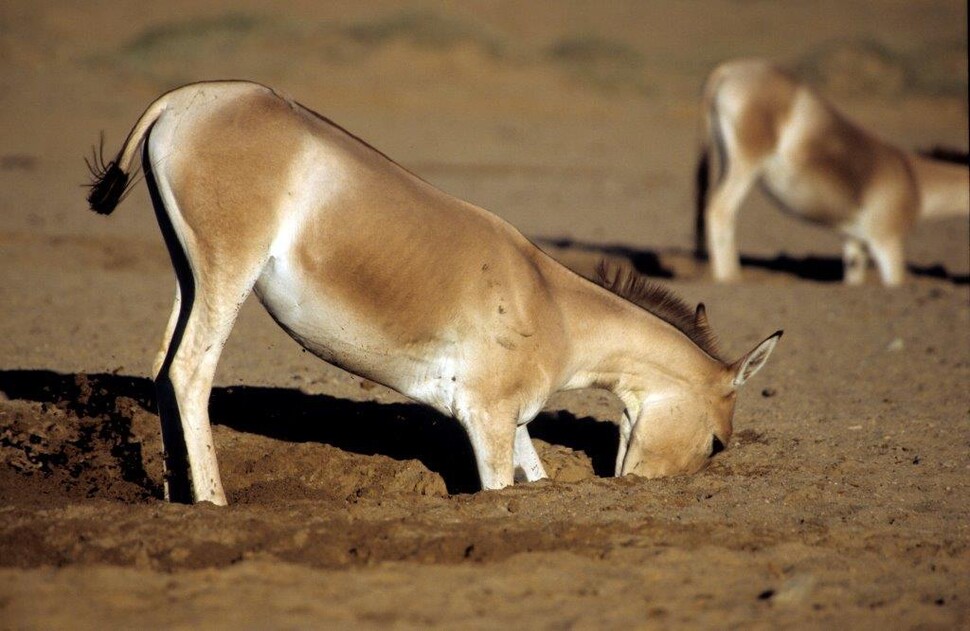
column 947, row 154
column 661, row 302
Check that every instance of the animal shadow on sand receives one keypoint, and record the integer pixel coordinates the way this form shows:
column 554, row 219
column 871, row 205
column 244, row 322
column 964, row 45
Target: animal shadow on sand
column 827, row 269
column 675, row 263
column 398, row 430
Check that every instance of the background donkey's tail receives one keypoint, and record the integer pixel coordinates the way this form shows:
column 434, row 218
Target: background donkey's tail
column 710, row 139
column 702, row 181
column 112, row 181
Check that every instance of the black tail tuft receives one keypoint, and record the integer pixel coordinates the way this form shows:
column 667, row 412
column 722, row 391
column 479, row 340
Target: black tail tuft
column 108, row 188
column 110, row 183
column 701, row 186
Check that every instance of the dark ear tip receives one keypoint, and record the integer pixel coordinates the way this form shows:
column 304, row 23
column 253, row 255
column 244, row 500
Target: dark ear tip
column 778, row 334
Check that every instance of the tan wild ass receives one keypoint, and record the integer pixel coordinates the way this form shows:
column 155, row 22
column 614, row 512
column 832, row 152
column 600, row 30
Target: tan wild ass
column 768, row 128
column 376, row 271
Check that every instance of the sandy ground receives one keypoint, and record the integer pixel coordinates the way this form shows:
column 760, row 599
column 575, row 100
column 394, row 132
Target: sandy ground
column 842, row 500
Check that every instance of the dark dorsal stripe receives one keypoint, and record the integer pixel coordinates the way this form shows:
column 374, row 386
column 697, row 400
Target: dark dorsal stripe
column 658, row 300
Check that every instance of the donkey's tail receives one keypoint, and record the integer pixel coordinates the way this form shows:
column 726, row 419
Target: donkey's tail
column 111, row 181
column 702, row 181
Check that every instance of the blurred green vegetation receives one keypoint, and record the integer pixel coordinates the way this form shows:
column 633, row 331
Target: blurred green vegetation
column 178, row 52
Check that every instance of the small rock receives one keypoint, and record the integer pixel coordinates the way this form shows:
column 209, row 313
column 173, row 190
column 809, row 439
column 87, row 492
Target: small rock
column 766, row 595
column 795, row 590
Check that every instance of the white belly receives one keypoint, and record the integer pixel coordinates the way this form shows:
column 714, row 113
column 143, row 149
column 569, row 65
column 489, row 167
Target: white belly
column 426, row 370
column 806, row 194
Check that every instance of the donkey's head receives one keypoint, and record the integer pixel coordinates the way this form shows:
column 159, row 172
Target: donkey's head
column 676, row 427
column 680, row 430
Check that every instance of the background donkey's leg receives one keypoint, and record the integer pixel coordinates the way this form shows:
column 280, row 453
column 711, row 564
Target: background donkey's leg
column 721, row 219
column 890, row 257
column 855, row 260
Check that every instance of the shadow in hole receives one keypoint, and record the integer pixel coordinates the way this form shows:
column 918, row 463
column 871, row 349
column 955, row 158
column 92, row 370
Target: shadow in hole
column 597, row 439
column 109, row 424
column 398, row 430
column 402, row 431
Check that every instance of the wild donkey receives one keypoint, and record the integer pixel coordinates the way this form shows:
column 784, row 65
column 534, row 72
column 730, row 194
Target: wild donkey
column 769, row 128
column 376, row 271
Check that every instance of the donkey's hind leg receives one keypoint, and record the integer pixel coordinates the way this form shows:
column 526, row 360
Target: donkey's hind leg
column 169, row 331
column 184, row 383
column 211, row 288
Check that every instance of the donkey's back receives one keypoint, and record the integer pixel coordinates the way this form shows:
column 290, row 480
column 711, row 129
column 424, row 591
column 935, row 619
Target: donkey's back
column 352, row 254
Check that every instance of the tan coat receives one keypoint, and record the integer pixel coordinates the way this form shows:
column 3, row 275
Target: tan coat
column 768, row 128
column 376, row 271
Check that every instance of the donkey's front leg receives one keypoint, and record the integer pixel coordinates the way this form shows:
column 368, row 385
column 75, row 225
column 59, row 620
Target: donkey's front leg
column 492, row 437
column 626, row 429
column 526, row 459
column 631, row 411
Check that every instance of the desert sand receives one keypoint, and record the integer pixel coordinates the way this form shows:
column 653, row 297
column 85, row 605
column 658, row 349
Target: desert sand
column 842, row 500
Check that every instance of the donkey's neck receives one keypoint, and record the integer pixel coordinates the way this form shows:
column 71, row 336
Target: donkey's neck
column 944, row 187
column 621, row 347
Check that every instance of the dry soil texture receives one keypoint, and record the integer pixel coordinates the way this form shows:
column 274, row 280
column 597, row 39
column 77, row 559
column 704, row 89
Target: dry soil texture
column 842, row 501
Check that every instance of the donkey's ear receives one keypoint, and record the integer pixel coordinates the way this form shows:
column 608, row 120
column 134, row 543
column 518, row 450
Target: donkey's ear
column 744, row 368
column 700, row 317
